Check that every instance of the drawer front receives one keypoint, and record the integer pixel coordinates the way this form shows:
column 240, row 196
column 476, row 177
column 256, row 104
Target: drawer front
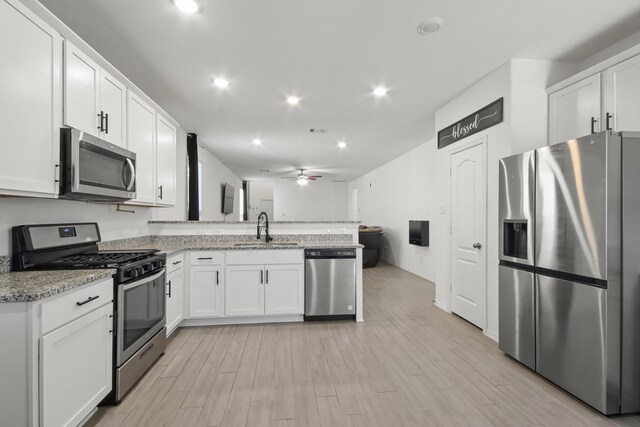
column 64, row 309
column 206, row 257
column 265, row 256
column 175, row 263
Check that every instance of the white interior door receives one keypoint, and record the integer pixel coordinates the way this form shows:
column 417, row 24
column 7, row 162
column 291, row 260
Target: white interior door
column 353, row 208
column 468, row 231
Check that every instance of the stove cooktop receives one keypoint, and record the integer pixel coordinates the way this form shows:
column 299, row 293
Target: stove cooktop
column 101, row 259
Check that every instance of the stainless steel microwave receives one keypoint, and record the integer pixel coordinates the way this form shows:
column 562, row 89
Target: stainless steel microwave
column 93, row 169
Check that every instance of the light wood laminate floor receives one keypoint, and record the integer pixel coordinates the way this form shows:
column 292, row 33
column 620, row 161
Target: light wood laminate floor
column 408, row 364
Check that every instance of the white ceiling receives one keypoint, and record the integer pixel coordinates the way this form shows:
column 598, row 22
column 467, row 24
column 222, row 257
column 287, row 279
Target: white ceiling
column 331, row 53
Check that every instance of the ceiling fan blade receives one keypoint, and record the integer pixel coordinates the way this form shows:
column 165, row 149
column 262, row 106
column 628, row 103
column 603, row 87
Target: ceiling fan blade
column 314, row 176
column 289, row 177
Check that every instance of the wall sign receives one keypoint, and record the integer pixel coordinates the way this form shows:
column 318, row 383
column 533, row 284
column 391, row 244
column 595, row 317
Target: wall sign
column 480, row 120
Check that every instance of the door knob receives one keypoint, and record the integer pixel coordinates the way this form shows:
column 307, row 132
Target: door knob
column 477, row 245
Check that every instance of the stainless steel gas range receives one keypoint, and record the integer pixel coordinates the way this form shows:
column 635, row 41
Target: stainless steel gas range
column 139, row 293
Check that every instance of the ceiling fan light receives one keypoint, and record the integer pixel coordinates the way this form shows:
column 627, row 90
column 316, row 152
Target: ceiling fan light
column 187, row 6
column 302, row 181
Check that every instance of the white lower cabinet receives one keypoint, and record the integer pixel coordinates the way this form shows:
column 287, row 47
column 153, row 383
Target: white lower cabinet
column 264, row 289
column 284, row 289
column 76, row 368
column 244, row 294
column 206, row 291
column 56, row 357
column 175, row 292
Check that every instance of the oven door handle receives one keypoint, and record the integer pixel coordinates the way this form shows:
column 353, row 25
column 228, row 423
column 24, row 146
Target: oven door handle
column 143, row 281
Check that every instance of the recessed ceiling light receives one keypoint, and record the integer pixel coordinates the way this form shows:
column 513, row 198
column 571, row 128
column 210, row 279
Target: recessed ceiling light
column 187, row 6
column 380, row 91
column 257, row 141
column 342, row 144
column 221, row 83
column 293, row 100
column 430, row 26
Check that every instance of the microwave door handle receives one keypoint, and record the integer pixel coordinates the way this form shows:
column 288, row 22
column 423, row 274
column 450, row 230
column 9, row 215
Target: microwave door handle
column 132, row 169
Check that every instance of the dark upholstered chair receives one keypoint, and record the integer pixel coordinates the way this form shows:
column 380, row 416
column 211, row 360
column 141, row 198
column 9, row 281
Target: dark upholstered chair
column 370, row 237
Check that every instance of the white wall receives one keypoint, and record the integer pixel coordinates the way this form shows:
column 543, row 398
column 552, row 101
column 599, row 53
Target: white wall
column 316, row 201
column 399, row 191
column 522, row 83
column 214, row 175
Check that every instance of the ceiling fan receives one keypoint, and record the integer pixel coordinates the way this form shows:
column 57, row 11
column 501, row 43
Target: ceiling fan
column 302, row 178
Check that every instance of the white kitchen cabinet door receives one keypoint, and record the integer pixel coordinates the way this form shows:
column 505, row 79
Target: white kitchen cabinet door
column 206, row 291
column 30, row 102
column 113, row 105
column 175, row 299
column 284, row 289
column 244, row 293
column 75, row 368
column 621, row 95
column 81, row 91
column 166, row 162
column 141, row 124
column 575, row 111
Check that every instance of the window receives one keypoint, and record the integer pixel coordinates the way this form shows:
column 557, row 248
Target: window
column 200, row 188
column 241, row 210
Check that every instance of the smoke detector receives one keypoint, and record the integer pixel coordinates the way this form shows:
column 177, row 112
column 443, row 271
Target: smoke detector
column 430, row 26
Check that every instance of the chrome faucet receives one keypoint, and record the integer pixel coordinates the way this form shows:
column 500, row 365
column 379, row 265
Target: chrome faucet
column 267, row 238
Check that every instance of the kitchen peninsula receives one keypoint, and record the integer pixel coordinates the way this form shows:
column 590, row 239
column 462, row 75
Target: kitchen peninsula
column 218, row 251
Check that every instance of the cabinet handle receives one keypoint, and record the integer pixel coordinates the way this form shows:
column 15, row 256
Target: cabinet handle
column 217, row 277
column 106, row 123
column 169, row 293
column 203, row 258
column 88, row 300
column 609, row 117
column 261, row 277
column 176, row 262
column 267, row 275
column 593, row 125
column 100, row 126
column 160, row 188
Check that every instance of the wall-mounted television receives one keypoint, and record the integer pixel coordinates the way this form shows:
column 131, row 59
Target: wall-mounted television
column 419, row 233
column 228, row 195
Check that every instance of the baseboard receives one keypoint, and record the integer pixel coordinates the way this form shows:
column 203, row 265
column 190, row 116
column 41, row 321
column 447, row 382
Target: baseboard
column 491, row 334
column 241, row 320
column 441, row 306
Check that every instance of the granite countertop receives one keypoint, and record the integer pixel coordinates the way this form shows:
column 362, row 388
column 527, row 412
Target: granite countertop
column 254, row 222
column 175, row 248
column 25, row 286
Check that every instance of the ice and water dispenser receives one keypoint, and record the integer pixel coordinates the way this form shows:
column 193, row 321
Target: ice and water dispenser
column 514, row 236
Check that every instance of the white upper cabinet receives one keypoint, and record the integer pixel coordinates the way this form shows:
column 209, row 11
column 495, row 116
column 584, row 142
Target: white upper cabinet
column 113, row 101
column 81, row 91
column 94, row 101
column 30, row 102
column 166, row 162
column 621, row 95
column 141, row 124
column 575, row 110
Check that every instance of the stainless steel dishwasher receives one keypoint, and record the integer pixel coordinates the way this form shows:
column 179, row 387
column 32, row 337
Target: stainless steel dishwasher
column 330, row 284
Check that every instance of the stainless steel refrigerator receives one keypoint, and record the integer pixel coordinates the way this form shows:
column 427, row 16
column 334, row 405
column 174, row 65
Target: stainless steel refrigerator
column 569, row 274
